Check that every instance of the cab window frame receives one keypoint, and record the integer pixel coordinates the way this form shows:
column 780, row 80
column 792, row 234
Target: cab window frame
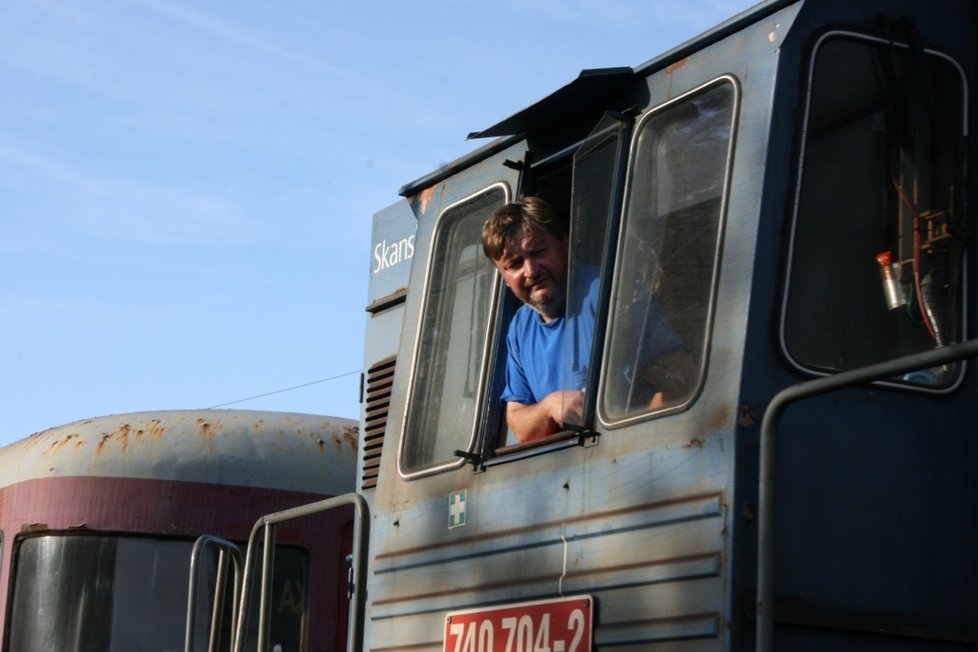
column 550, row 179
column 556, row 179
column 607, row 417
column 416, row 431
column 803, row 361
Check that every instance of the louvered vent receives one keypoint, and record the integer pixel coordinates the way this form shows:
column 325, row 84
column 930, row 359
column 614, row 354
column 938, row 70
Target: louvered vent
column 380, row 377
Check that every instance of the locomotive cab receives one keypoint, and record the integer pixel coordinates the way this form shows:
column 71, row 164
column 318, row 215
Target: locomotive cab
column 782, row 199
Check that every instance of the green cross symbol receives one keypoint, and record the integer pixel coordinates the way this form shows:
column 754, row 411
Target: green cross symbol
column 456, row 509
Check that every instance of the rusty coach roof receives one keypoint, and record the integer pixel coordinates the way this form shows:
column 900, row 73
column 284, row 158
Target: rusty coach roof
column 297, row 452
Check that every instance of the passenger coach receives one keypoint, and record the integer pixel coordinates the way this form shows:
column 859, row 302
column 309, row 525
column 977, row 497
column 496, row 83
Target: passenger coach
column 100, row 521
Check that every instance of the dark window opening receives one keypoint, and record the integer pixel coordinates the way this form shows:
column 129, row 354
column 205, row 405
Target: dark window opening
column 551, row 181
column 878, row 246
column 76, row 593
column 585, row 189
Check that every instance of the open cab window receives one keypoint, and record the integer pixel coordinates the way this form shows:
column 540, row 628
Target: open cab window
column 877, row 249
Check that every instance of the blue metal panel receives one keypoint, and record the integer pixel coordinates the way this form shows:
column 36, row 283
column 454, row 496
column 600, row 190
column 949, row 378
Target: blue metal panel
column 427, row 498
column 875, row 500
column 391, row 252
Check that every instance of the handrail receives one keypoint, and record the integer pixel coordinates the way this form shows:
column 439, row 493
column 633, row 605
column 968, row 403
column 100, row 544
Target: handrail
column 358, row 598
column 224, row 548
column 769, row 425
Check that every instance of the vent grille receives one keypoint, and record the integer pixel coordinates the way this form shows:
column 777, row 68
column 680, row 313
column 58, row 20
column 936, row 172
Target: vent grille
column 380, row 378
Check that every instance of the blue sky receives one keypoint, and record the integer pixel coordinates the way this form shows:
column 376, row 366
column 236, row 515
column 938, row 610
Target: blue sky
column 186, row 188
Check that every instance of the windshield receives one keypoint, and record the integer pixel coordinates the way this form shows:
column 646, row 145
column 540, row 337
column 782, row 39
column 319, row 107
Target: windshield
column 75, row 593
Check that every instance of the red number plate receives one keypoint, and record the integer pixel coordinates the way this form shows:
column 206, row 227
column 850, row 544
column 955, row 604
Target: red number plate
column 562, row 625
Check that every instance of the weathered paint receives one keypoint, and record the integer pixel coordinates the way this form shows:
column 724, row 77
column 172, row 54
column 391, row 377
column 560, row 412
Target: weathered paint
column 248, row 448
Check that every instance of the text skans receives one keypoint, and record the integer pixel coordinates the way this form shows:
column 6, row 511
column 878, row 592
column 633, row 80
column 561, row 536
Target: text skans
column 387, row 255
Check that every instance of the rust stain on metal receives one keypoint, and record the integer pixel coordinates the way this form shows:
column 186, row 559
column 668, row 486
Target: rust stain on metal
column 123, row 436
column 156, row 428
column 348, row 436
column 56, row 445
column 34, row 527
column 352, row 435
column 673, row 67
column 695, row 442
column 719, row 419
column 102, row 443
column 745, row 417
column 206, row 428
column 424, row 198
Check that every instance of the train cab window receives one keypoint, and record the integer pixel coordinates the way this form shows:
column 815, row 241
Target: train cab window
column 875, row 270
column 668, row 260
column 594, row 187
column 90, row 592
column 448, row 386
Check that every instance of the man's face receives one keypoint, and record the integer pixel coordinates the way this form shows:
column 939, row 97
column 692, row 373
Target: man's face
column 534, row 267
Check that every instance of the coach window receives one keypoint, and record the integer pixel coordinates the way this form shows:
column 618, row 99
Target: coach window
column 450, row 369
column 662, row 298
column 875, row 270
column 92, row 592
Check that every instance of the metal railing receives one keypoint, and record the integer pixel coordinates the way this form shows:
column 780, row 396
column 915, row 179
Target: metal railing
column 225, row 549
column 769, row 428
column 358, row 589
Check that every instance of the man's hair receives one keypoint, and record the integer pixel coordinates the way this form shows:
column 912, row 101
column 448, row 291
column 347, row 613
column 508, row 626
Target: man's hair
column 531, row 214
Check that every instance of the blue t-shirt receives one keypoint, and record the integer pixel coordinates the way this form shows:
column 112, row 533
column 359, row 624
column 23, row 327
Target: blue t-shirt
column 538, row 361
column 535, row 351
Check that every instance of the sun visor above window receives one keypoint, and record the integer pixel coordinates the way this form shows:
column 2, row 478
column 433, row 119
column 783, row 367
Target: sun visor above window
column 581, row 102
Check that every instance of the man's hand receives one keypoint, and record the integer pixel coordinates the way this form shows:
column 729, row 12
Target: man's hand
column 533, row 421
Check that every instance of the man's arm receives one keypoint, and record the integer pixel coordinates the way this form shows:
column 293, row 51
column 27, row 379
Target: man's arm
column 536, row 420
column 670, row 376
